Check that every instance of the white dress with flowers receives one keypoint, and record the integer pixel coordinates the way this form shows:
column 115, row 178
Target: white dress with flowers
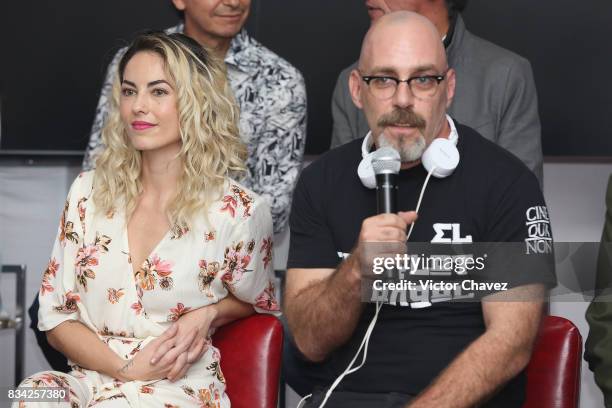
column 90, row 279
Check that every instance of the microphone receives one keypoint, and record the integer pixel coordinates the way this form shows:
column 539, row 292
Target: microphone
column 386, row 164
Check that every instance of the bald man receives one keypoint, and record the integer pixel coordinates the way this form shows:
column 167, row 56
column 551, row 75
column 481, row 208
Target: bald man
column 426, row 351
column 496, row 94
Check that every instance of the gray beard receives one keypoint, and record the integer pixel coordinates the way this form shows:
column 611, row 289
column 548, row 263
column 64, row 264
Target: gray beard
column 408, row 152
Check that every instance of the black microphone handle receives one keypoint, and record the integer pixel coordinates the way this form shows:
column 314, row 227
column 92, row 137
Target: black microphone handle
column 386, row 193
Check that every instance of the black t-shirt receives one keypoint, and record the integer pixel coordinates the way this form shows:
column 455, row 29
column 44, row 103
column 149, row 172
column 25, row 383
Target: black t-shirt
column 489, row 197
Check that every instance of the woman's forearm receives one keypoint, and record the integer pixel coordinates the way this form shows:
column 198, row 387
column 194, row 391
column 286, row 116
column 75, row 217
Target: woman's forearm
column 229, row 309
column 81, row 345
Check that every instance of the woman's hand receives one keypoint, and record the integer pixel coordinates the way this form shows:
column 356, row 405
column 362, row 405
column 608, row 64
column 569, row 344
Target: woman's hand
column 140, row 368
column 193, row 325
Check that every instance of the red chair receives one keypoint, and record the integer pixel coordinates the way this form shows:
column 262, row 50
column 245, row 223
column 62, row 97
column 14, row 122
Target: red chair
column 251, row 354
column 553, row 374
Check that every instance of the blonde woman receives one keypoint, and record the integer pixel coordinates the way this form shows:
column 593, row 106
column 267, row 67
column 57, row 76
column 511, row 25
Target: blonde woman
column 160, row 245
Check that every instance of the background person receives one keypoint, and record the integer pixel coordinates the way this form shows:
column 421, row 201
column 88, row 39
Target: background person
column 598, row 346
column 495, row 93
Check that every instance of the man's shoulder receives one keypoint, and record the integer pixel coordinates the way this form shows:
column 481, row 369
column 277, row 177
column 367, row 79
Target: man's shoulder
column 344, row 74
column 114, row 63
column 486, row 157
column 342, row 83
column 489, row 54
column 261, row 56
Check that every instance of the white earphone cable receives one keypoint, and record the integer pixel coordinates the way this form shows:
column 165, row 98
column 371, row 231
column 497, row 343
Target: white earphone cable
column 349, row 369
column 420, row 199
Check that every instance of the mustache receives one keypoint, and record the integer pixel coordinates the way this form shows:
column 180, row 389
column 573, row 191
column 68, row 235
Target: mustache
column 406, row 117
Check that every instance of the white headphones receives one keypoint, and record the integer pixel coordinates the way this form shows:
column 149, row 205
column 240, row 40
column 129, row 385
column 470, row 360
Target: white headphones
column 440, row 158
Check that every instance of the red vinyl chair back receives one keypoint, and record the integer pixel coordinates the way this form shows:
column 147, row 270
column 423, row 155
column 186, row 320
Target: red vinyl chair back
column 553, row 374
column 251, row 352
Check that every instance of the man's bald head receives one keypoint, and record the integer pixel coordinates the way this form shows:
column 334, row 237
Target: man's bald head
column 405, row 29
column 403, row 83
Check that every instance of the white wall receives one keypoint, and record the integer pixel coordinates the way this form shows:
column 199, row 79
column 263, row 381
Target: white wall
column 31, row 198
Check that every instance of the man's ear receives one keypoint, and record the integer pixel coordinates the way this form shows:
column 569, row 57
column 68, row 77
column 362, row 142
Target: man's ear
column 450, row 86
column 179, row 4
column 355, row 88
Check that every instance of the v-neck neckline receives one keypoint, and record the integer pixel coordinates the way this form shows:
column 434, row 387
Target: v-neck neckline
column 155, row 249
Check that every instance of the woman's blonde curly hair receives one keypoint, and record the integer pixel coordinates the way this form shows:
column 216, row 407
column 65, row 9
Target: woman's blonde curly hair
column 208, row 118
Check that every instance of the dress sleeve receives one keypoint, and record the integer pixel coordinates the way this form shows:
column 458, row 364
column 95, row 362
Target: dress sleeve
column 247, row 263
column 58, row 295
column 276, row 159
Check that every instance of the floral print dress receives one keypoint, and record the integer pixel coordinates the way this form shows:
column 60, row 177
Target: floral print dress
column 90, row 278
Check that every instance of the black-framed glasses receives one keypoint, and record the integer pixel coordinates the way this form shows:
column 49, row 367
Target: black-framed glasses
column 421, row 86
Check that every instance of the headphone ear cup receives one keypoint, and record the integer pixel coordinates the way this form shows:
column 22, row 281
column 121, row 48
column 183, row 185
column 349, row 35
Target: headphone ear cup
column 366, row 172
column 442, row 156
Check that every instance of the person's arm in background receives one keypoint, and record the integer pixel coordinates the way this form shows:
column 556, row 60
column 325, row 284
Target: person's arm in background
column 275, row 162
column 95, row 145
column 598, row 347
column 519, row 129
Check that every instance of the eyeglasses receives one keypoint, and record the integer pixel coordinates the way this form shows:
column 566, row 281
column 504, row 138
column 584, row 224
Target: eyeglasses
column 422, row 86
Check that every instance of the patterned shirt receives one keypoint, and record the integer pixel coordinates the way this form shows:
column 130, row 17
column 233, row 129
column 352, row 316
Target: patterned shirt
column 272, row 98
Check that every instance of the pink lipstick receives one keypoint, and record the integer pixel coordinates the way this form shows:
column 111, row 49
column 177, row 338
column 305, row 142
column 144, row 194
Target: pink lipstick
column 141, row 125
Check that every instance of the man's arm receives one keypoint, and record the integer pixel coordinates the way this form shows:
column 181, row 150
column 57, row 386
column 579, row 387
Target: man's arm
column 323, row 307
column 275, row 162
column 598, row 346
column 519, row 130
column 498, row 355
